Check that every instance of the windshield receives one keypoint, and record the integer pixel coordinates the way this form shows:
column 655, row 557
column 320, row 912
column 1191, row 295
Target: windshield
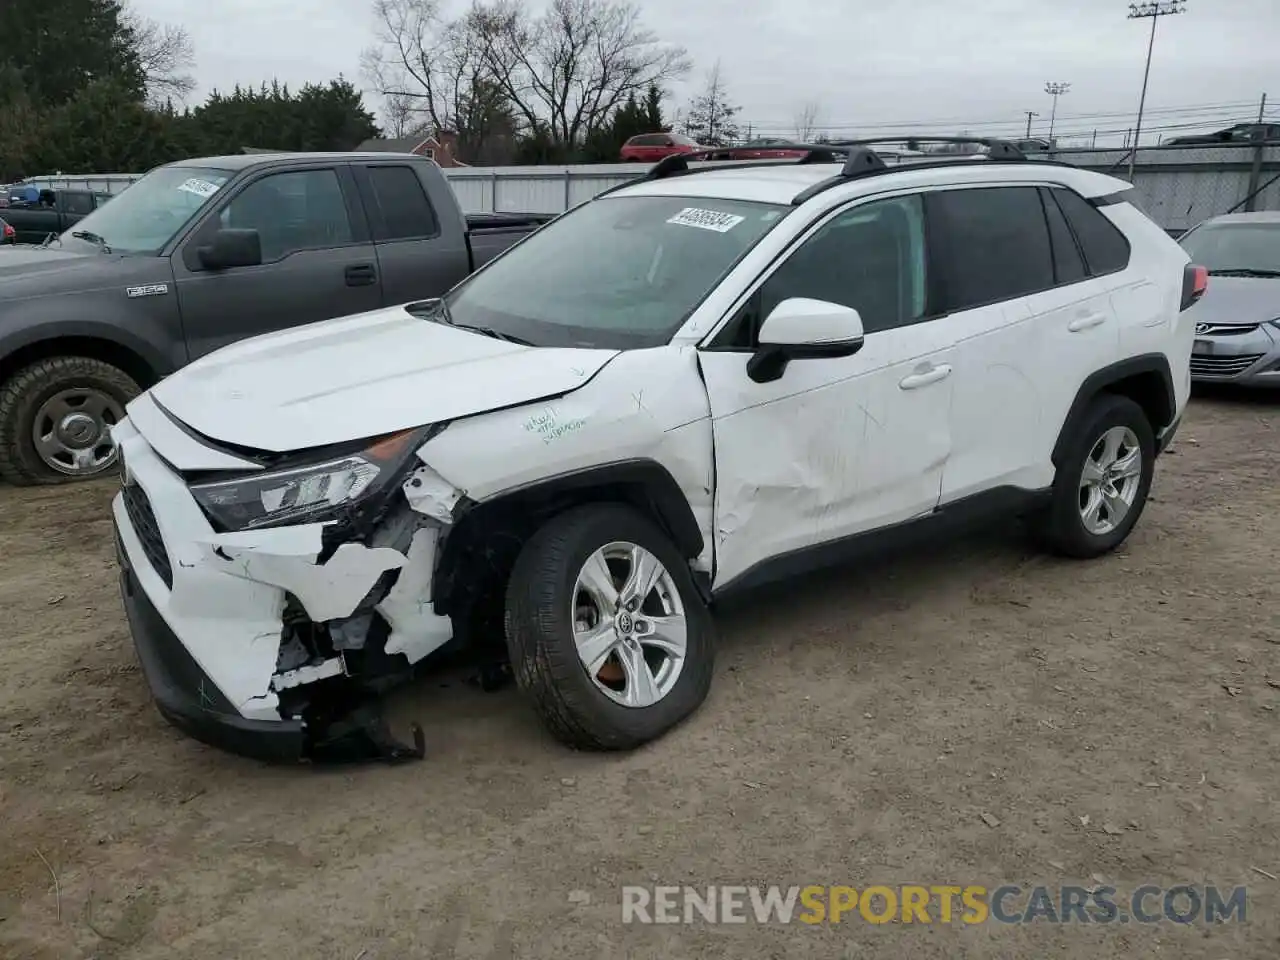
column 1235, row 247
column 146, row 215
column 617, row 273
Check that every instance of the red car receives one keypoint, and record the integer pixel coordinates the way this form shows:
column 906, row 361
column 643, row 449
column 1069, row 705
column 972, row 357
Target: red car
column 7, row 233
column 652, row 147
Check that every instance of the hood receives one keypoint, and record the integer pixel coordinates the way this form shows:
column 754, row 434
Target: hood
column 30, row 270
column 362, row 376
column 1238, row 300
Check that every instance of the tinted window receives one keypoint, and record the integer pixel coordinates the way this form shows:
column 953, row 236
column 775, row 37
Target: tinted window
column 1105, row 248
column 871, row 258
column 1235, row 247
column 81, row 203
column 402, row 204
column 996, row 244
column 302, row 210
column 649, row 140
column 1068, row 267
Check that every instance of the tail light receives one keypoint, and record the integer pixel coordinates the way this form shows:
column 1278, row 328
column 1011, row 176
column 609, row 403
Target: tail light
column 1195, row 280
column 9, row 231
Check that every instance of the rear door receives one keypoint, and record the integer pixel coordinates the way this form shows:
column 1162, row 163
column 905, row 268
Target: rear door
column 1030, row 326
column 417, row 258
column 317, row 259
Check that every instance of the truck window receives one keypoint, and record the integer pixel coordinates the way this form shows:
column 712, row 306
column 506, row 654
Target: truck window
column 77, row 203
column 292, row 211
column 402, row 204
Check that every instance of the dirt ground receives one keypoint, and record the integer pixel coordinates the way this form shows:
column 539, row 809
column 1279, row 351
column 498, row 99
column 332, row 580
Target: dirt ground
column 1115, row 721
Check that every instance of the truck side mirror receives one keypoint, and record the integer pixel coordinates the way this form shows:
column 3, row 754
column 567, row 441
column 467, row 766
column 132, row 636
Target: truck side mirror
column 231, row 247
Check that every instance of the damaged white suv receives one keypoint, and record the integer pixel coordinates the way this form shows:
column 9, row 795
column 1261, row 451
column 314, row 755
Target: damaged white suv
column 695, row 383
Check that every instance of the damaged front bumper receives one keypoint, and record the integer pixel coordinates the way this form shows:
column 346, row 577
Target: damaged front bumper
column 254, row 643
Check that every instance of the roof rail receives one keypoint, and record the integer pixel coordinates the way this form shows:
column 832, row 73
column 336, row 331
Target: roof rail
column 857, row 164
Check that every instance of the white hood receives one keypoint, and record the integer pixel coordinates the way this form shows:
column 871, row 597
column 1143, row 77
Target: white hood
column 362, row 376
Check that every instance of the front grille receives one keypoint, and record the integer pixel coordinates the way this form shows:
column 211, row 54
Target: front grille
column 1222, row 366
column 1225, row 329
column 144, row 525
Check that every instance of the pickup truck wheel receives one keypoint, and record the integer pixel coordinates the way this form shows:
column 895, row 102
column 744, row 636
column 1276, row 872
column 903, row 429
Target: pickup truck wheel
column 56, row 417
column 606, row 630
column 1103, row 481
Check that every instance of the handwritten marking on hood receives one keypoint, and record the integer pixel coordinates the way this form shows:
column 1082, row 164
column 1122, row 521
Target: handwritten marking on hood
column 550, row 425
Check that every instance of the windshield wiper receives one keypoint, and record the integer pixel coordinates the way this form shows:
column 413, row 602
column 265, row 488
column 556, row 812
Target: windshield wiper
column 1244, row 272
column 438, row 310
column 92, row 237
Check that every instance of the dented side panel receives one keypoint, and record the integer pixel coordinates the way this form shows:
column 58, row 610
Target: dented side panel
column 832, row 448
column 646, row 404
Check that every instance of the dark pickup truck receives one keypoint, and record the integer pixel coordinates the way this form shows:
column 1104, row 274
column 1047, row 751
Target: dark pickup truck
column 202, row 253
column 53, row 212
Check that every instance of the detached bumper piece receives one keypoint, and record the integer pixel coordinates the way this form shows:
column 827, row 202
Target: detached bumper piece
column 189, row 699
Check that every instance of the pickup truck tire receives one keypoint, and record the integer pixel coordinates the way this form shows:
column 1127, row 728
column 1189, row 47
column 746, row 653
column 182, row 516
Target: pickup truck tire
column 76, row 400
column 557, row 596
column 1102, row 483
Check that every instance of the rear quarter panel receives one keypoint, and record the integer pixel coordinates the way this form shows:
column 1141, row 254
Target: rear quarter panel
column 1148, row 303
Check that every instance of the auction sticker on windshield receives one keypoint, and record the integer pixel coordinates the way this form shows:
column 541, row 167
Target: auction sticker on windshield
column 201, row 188
column 706, row 219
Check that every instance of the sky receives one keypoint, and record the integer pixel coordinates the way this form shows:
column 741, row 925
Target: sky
column 935, row 66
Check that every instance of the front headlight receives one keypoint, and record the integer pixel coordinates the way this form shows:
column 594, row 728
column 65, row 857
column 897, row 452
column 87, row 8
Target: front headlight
column 314, row 492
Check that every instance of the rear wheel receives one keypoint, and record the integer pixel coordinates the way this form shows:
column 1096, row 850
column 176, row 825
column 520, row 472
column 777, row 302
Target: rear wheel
column 1102, row 484
column 606, row 630
column 56, row 417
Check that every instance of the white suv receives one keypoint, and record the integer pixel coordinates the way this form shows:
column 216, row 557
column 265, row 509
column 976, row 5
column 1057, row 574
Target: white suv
column 698, row 382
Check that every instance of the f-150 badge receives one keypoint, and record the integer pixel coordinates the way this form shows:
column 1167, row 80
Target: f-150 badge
column 149, row 290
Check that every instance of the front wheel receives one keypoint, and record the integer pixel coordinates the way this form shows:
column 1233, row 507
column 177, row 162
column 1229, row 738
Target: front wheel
column 1102, row 483
column 56, row 417
column 606, row 631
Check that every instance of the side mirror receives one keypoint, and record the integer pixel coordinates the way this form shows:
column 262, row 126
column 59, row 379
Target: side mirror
column 231, row 248
column 804, row 329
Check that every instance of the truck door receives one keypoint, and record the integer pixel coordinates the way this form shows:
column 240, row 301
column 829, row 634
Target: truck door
column 317, row 259
column 418, row 257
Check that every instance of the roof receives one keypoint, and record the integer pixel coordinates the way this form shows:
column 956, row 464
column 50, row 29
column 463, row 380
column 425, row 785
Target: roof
column 396, row 145
column 1257, row 216
column 781, row 183
column 240, row 161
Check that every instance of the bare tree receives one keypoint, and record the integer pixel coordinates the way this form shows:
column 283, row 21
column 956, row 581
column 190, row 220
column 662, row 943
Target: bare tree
column 567, row 70
column 710, row 117
column 806, row 120
column 166, row 55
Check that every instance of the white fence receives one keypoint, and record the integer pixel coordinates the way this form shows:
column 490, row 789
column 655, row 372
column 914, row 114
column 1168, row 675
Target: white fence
column 1177, row 186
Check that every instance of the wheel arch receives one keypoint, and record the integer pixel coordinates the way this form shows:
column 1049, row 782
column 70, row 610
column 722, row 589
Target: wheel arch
column 1147, row 380
column 144, row 369
column 513, row 515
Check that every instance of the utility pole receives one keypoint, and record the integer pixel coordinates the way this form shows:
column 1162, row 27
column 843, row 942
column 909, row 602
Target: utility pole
column 1030, row 114
column 1055, row 90
column 1153, row 12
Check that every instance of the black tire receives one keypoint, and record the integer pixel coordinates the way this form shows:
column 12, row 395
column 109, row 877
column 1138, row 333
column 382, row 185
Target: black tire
column 539, row 631
column 21, row 398
column 1061, row 528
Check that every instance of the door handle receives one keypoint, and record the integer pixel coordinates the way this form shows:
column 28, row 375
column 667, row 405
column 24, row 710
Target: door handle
column 1086, row 322
column 925, row 377
column 361, row 275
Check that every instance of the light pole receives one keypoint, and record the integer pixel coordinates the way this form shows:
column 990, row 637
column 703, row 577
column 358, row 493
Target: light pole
column 1030, row 114
column 1055, row 90
column 1153, row 12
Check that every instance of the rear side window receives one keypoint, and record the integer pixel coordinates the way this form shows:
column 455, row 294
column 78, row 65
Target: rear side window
column 649, row 140
column 403, row 207
column 1068, row 266
column 995, row 244
column 77, row 203
column 1105, row 248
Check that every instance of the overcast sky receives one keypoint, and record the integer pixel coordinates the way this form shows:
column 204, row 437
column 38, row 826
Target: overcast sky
column 975, row 66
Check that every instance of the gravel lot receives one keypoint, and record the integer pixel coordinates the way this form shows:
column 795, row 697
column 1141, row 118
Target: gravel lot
column 1118, row 718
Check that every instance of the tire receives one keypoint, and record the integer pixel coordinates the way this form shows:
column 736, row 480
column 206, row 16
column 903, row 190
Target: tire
column 543, row 606
column 1063, row 528
column 34, row 391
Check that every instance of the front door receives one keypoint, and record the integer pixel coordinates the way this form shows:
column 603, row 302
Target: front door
column 317, row 260
column 834, row 447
